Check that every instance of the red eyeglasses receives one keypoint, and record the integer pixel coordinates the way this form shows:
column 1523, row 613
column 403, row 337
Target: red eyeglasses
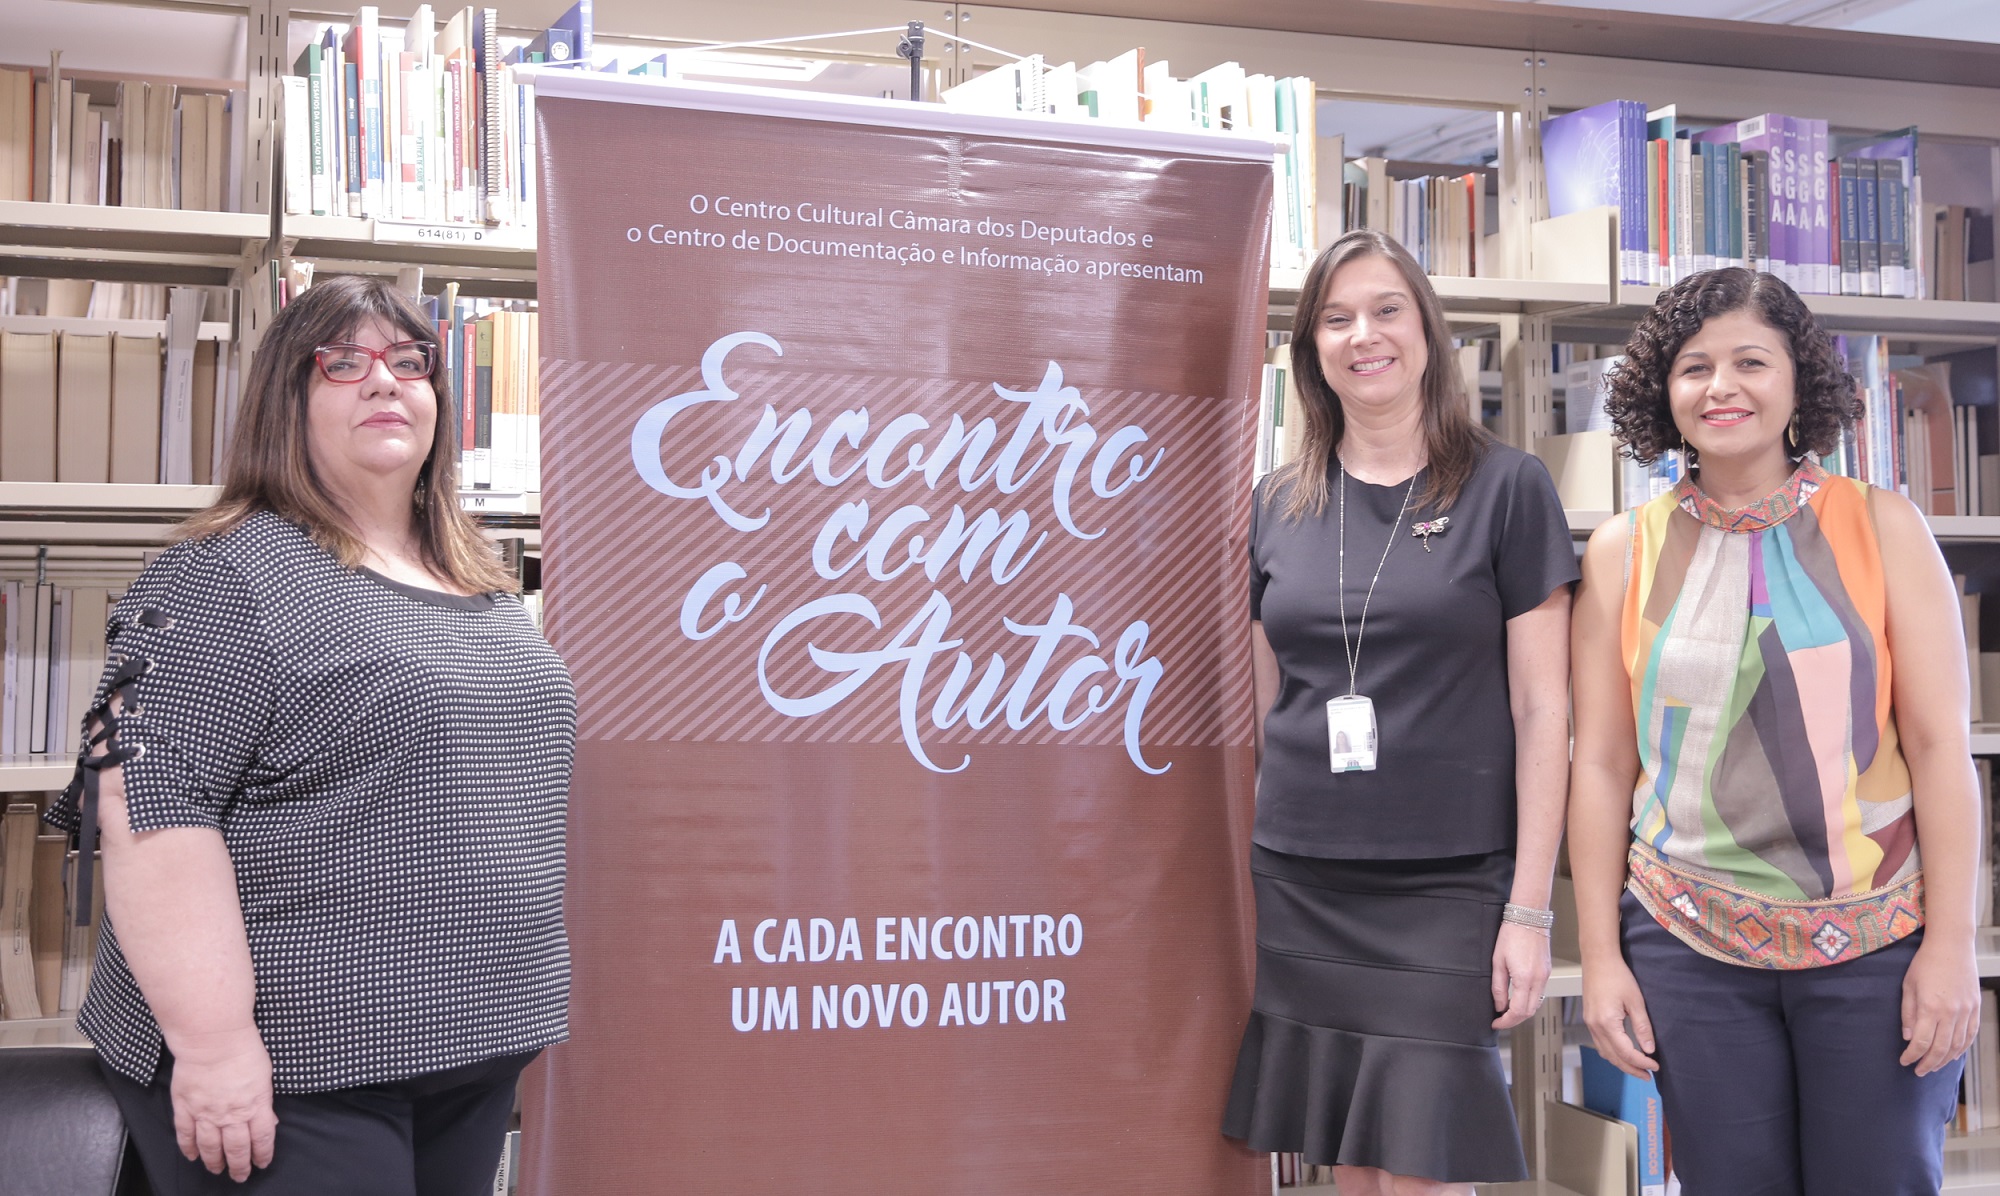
column 407, row 360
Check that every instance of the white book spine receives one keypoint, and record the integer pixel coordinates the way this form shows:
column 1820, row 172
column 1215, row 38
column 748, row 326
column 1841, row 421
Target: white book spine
column 298, row 147
column 10, row 662
column 56, row 733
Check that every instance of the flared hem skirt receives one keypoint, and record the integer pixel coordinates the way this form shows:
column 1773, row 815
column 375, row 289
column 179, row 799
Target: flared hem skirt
column 1371, row 1040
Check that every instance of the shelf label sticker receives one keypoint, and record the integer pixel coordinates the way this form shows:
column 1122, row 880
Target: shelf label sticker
column 480, row 235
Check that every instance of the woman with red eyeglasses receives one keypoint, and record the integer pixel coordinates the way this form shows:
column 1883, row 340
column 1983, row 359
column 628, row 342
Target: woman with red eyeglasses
column 327, row 767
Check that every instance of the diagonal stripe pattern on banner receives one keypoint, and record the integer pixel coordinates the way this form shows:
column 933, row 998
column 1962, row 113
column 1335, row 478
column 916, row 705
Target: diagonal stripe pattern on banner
column 644, row 558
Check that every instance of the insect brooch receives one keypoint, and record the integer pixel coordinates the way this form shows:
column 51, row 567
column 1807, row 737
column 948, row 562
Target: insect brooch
column 1429, row 528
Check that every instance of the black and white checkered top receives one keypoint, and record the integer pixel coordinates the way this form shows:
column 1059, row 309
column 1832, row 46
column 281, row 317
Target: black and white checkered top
column 389, row 767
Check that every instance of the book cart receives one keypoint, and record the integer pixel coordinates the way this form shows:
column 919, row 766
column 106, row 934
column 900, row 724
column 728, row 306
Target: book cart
column 1557, row 281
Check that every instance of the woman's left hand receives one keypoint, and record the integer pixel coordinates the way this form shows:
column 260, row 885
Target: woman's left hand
column 1520, row 973
column 1940, row 1003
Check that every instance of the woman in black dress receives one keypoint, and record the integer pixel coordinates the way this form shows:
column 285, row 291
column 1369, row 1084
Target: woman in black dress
column 1409, row 605
column 330, row 762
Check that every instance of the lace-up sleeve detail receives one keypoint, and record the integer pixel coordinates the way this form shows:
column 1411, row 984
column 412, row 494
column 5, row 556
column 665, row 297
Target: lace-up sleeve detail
column 184, row 699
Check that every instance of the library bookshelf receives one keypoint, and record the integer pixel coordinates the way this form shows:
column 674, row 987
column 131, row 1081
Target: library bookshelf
column 1521, row 63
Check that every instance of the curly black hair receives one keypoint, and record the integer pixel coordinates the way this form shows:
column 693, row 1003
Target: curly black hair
column 1636, row 390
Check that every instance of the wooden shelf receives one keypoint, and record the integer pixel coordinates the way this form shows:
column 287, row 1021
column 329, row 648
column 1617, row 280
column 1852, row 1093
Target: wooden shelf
column 209, row 330
column 88, row 227
column 1565, row 979
column 1484, row 296
column 41, row 1031
column 72, row 503
column 106, row 502
column 1863, row 313
column 502, row 502
column 1972, row 1164
column 509, row 249
column 30, row 774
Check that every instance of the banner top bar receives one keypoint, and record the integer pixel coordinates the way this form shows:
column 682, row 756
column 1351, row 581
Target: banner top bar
column 897, row 114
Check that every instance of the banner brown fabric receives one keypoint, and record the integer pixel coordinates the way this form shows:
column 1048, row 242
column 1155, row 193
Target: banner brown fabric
column 901, row 570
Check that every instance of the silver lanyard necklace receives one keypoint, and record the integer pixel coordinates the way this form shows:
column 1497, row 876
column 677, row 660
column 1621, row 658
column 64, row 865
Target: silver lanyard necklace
column 1354, row 649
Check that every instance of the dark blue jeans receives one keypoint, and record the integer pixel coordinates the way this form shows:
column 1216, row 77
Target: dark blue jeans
column 1787, row 1083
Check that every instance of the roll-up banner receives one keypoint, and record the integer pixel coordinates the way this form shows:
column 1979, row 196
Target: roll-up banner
column 896, row 485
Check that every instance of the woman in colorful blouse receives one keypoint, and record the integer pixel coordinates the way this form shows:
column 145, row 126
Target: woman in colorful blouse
column 1771, row 717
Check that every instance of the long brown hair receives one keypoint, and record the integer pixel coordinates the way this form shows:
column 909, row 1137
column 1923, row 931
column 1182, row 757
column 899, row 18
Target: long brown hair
column 270, row 469
column 1452, row 442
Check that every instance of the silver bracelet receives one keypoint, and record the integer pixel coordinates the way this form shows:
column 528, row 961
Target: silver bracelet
column 1543, row 920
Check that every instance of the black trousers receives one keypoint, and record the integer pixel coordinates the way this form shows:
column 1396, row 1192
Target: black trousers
column 1788, row 1083
column 430, row 1135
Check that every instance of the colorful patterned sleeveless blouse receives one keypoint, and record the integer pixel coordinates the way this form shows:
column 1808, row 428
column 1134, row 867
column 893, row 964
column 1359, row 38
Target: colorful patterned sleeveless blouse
column 1772, row 824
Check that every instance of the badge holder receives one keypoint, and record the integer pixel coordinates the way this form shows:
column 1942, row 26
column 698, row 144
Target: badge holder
column 1350, row 733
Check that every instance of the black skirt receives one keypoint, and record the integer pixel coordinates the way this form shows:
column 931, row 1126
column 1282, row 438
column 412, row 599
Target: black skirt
column 1371, row 1040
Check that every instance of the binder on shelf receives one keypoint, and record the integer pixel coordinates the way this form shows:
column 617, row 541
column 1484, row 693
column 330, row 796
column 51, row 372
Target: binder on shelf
column 177, row 398
column 566, row 40
column 11, row 632
column 18, row 830
column 135, row 408
column 27, row 406
column 1636, row 1102
column 79, row 933
column 45, row 912
column 39, row 630
column 83, row 408
column 1590, row 1153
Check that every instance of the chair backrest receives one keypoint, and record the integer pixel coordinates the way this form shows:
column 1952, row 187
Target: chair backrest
column 60, row 1129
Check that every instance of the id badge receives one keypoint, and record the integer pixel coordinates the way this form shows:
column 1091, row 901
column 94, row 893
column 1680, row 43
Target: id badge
column 1350, row 733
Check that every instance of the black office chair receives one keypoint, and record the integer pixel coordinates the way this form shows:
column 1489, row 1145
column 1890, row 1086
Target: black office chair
column 60, row 1130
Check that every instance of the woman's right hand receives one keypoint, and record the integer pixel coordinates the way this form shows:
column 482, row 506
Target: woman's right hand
column 1610, row 998
column 222, row 1102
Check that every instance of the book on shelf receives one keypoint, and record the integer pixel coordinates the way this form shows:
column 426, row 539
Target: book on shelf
column 1440, row 218
column 45, row 915
column 1589, row 1151
column 1129, row 89
column 77, row 406
column 1828, row 214
column 1982, row 1065
column 48, row 951
column 418, row 124
column 87, row 299
column 489, row 370
column 19, row 827
column 1595, row 157
column 1636, row 1102
column 54, row 651
column 1958, row 240
column 155, row 143
column 567, row 40
column 1280, row 420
